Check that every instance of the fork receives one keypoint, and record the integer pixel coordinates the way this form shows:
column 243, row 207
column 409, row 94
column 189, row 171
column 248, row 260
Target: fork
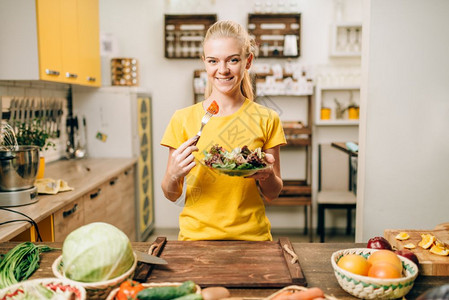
column 211, row 110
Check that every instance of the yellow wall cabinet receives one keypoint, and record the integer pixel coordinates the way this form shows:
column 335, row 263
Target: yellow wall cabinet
column 52, row 40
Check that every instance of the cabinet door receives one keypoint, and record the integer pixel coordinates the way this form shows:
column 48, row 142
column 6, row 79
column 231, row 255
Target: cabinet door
column 89, row 42
column 95, row 204
column 49, row 43
column 121, row 203
column 67, row 219
column 69, row 41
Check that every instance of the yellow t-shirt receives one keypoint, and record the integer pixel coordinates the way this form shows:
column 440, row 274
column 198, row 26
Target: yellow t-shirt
column 221, row 207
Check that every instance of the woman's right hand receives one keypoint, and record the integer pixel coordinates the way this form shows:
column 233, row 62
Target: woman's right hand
column 181, row 160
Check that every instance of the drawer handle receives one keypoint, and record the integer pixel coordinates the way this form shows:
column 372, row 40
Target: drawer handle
column 92, row 79
column 95, row 195
column 70, row 211
column 113, row 181
column 71, row 75
column 51, row 72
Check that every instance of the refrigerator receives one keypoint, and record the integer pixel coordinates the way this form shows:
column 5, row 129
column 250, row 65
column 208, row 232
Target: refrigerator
column 118, row 124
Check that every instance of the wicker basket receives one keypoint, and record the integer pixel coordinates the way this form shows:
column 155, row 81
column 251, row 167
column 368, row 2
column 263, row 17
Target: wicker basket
column 294, row 288
column 81, row 295
column 96, row 290
column 374, row 288
column 152, row 285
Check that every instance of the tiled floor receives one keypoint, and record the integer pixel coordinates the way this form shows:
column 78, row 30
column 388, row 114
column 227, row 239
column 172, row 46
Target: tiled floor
column 331, row 237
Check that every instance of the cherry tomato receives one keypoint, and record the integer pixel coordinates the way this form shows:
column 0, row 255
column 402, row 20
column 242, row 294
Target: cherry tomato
column 129, row 290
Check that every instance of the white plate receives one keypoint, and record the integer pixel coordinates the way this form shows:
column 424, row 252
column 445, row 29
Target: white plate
column 235, row 172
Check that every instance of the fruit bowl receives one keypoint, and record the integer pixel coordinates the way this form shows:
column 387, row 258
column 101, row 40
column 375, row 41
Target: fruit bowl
column 374, row 288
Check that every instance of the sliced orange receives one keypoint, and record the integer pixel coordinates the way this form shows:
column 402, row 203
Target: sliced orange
column 402, row 236
column 439, row 243
column 427, row 241
column 440, row 251
column 410, row 246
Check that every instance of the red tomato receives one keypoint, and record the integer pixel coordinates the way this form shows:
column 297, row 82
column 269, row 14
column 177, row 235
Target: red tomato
column 129, row 290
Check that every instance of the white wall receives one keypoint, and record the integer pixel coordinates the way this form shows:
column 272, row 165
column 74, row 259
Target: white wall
column 404, row 146
column 138, row 26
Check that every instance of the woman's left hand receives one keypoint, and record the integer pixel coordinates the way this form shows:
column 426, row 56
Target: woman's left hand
column 267, row 172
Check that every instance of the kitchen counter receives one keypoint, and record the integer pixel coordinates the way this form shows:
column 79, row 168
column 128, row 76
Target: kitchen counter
column 83, row 175
column 314, row 259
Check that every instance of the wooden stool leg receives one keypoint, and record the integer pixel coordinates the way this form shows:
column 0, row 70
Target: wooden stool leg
column 321, row 222
column 310, row 223
column 305, row 220
column 349, row 221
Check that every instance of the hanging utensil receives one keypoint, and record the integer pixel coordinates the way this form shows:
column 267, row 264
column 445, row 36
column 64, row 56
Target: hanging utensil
column 22, row 110
column 59, row 117
column 12, row 109
column 79, row 149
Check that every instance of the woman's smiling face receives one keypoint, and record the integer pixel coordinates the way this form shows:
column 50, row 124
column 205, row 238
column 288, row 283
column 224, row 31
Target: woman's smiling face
column 225, row 64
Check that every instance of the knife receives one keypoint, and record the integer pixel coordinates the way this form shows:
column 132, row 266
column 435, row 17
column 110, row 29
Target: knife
column 150, row 259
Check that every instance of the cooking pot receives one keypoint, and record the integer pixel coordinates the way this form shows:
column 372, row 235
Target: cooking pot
column 18, row 168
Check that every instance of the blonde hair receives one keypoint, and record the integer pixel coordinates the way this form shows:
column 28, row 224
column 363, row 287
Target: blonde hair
column 234, row 30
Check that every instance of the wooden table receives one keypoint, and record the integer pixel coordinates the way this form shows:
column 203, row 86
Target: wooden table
column 314, row 259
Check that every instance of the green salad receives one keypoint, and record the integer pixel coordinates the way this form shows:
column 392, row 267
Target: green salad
column 238, row 159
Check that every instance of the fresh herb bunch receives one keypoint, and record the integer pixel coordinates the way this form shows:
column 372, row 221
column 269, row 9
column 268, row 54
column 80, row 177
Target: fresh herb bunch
column 20, row 263
column 34, row 133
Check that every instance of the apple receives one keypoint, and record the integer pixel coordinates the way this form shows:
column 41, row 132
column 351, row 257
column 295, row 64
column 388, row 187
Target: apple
column 379, row 242
column 408, row 254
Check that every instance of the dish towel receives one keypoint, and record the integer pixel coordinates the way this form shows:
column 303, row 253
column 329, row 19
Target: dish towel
column 353, row 147
column 51, row 186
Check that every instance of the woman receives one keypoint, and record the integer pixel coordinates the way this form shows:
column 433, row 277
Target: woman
column 217, row 206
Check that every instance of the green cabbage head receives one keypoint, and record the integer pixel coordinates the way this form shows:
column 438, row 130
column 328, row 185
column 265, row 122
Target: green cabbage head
column 96, row 252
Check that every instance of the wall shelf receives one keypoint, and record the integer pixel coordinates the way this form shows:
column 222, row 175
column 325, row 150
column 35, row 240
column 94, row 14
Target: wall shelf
column 184, row 34
column 346, row 95
column 337, row 122
column 298, row 192
column 268, row 85
column 277, row 35
column 346, row 39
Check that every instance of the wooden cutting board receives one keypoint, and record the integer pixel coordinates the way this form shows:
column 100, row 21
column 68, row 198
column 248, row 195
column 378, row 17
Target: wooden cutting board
column 236, row 264
column 430, row 264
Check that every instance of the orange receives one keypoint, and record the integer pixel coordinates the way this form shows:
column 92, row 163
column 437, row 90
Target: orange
column 409, row 246
column 427, row 241
column 386, row 256
column 402, row 236
column 354, row 263
column 439, row 243
column 443, row 251
column 384, row 270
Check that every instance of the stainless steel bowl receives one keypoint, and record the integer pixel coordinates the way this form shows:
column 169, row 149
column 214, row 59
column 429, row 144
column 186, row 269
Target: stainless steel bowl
column 18, row 168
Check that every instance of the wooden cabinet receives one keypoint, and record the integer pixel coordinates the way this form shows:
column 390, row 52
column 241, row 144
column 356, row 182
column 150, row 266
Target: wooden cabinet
column 184, row 34
column 111, row 202
column 121, row 211
column 89, row 42
column 95, row 203
column 298, row 192
column 277, row 35
column 49, row 46
column 59, row 41
column 67, row 219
